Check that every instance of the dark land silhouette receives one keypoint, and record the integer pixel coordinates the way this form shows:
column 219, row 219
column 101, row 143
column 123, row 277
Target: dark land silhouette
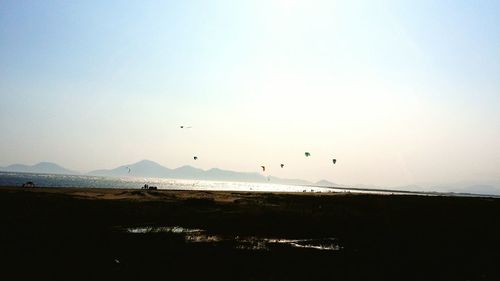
column 77, row 233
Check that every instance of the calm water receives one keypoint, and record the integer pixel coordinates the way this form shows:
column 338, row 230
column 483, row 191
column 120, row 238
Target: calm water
column 50, row 180
column 17, row 179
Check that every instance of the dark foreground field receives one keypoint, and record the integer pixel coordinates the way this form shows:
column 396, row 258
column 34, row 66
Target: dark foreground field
column 86, row 234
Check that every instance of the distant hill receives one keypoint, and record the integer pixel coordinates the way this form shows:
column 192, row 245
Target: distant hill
column 326, row 183
column 478, row 189
column 218, row 174
column 147, row 168
column 144, row 168
column 42, row 168
column 289, row 181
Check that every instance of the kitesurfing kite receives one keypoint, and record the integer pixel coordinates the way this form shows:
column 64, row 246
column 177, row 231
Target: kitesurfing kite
column 185, row 127
column 195, row 158
column 282, row 165
column 263, row 168
column 334, row 161
column 307, row 154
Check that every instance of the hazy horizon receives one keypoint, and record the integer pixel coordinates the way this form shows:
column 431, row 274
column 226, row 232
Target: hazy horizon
column 148, row 169
column 400, row 93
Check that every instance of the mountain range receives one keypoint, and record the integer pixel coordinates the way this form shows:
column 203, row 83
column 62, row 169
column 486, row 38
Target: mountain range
column 147, row 168
column 41, row 168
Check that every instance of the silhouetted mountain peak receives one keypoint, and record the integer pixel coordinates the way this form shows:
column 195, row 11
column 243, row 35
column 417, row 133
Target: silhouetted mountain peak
column 145, row 163
column 42, row 167
column 47, row 165
column 143, row 168
column 187, row 168
column 148, row 168
column 326, row 183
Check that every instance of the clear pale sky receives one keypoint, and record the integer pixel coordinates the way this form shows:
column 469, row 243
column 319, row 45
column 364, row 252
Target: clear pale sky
column 400, row 92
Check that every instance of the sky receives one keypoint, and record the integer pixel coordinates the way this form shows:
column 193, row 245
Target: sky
column 399, row 92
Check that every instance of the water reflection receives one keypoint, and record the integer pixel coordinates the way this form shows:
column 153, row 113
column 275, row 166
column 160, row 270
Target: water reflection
column 160, row 229
column 193, row 235
column 329, row 244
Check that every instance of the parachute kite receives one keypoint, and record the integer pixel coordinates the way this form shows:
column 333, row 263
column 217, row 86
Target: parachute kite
column 307, row 154
column 263, row 168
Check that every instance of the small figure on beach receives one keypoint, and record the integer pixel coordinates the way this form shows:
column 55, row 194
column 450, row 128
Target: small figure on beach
column 29, row 184
column 149, row 187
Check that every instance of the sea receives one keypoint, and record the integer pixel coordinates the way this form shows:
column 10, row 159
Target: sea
column 84, row 181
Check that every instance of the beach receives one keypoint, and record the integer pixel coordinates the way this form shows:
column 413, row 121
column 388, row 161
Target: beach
column 134, row 234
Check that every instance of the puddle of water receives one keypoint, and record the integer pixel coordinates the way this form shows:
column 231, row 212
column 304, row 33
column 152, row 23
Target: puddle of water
column 329, row 244
column 192, row 235
column 253, row 246
column 162, row 229
column 202, row 238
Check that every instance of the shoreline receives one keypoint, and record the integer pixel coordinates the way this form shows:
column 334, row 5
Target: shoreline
column 214, row 185
column 333, row 191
